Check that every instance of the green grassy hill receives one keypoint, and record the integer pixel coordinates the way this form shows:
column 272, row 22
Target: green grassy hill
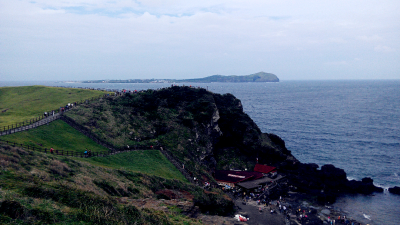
column 38, row 188
column 61, row 136
column 19, row 104
column 151, row 162
column 58, row 135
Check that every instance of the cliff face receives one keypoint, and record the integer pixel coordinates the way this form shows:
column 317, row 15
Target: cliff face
column 204, row 130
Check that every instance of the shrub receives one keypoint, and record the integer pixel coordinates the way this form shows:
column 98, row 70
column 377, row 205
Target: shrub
column 12, row 209
column 214, row 204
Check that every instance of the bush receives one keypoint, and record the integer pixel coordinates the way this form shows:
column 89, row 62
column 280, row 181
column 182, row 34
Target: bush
column 12, row 209
column 214, row 204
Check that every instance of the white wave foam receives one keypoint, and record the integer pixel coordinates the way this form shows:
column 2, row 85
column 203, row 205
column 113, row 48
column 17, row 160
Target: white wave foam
column 351, row 178
column 367, row 216
column 386, row 188
column 396, row 175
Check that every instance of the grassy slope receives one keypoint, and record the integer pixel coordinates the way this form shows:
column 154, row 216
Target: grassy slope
column 27, row 102
column 150, row 162
column 36, row 188
column 60, row 135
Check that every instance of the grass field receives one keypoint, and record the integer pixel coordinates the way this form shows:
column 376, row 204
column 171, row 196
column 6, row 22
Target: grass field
column 19, row 104
column 151, row 162
column 58, row 135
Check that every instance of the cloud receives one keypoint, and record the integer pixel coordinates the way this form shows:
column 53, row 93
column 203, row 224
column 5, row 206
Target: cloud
column 372, row 38
column 336, row 63
column 383, row 48
column 89, row 39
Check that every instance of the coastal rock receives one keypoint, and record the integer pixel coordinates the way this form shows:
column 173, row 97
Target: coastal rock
column 365, row 186
column 368, row 186
column 395, row 190
column 330, row 172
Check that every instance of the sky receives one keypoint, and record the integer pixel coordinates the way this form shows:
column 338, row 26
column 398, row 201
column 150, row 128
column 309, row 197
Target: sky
column 178, row 39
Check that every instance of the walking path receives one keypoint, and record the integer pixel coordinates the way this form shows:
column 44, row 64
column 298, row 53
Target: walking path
column 41, row 122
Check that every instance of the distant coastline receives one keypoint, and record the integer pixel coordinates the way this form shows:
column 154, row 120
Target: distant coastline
column 256, row 77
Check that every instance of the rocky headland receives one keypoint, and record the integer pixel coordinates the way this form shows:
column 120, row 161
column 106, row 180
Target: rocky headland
column 206, row 131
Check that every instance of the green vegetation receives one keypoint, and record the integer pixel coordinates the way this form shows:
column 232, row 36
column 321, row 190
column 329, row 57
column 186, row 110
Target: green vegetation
column 151, row 162
column 61, row 136
column 169, row 118
column 37, row 188
column 58, row 135
column 19, row 104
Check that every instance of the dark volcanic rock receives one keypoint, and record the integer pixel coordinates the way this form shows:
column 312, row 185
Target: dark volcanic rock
column 365, row 186
column 331, row 172
column 395, row 190
column 334, row 179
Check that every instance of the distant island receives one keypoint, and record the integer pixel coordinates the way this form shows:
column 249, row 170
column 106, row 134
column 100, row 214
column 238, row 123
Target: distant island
column 257, row 77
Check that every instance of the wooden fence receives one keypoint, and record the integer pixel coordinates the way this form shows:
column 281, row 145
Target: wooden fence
column 70, row 153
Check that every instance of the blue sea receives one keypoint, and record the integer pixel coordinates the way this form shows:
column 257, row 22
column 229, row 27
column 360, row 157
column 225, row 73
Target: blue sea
column 354, row 125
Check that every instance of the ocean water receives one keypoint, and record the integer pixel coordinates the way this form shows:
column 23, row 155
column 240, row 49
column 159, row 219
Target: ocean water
column 354, row 125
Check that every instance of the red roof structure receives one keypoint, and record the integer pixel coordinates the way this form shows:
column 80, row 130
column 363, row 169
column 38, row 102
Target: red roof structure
column 236, row 176
column 264, row 168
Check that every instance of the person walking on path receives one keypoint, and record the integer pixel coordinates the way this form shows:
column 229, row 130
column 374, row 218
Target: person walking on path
column 51, row 150
column 86, row 152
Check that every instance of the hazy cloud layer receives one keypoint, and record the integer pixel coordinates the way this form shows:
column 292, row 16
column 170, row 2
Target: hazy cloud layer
column 99, row 39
